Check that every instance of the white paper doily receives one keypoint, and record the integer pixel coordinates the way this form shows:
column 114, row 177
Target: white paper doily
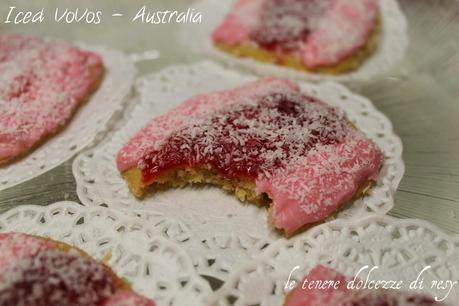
column 87, row 124
column 233, row 231
column 393, row 43
column 400, row 248
column 216, row 248
column 156, row 267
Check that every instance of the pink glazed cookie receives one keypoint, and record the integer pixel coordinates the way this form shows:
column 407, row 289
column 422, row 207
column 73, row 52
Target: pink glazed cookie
column 326, row 287
column 325, row 36
column 266, row 142
column 37, row 271
column 42, row 84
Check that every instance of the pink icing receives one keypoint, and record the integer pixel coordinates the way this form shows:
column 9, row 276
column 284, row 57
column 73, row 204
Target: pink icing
column 239, row 22
column 42, row 83
column 335, row 292
column 322, row 33
column 351, row 26
column 16, row 246
column 325, row 179
column 34, row 271
column 307, row 176
column 158, row 129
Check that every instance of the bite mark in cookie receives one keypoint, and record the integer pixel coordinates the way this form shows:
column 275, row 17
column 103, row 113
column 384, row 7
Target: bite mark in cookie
column 265, row 141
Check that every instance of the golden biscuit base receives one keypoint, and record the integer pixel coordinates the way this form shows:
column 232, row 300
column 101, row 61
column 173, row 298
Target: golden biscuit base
column 291, row 60
column 243, row 188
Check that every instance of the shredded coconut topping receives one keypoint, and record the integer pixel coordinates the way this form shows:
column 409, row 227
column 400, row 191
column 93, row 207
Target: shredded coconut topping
column 251, row 138
column 320, row 32
column 35, row 272
column 284, row 24
column 41, row 85
column 55, row 278
column 299, row 150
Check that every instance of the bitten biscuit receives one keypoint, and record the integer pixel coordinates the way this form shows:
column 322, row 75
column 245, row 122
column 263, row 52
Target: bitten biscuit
column 266, row 142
